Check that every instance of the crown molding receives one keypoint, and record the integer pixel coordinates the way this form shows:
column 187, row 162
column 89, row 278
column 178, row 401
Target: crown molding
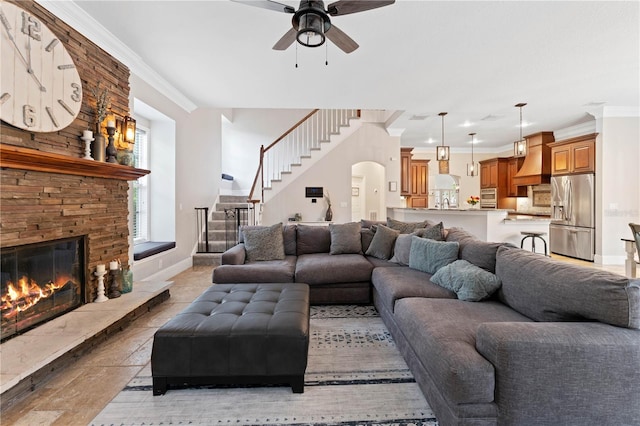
column 86, row 25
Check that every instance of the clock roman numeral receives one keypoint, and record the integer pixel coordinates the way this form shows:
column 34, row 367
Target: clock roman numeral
column 65, row 106
column 51, row 116
column 51, row 45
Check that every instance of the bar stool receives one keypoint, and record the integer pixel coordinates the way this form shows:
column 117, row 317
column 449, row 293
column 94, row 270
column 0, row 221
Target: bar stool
column 533, row 236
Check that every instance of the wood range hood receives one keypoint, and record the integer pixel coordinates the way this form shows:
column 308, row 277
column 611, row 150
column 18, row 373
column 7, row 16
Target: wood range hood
column 536, row 168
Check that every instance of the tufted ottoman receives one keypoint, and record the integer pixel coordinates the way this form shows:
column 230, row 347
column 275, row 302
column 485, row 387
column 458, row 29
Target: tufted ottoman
column 236, row 334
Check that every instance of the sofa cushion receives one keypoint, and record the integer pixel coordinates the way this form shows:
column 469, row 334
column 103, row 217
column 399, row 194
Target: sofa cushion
column 366, row 236
column 443, row 336
column 428, row 255
column 392, row 284
column 473, row 250
column 551, row 290
column 313, row 239
column 371, row 223
column 381, row 263
column 345, row 238
column 268, row 271
column 323, row 268
column 264, row 243
column 382, row 243
column 470, row 282
column 407, row 227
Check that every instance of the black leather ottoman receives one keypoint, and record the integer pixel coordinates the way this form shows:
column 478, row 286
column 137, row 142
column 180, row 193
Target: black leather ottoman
column 236, row 334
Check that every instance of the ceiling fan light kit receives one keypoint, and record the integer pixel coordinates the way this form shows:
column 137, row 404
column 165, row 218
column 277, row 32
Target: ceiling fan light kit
column 311, row 24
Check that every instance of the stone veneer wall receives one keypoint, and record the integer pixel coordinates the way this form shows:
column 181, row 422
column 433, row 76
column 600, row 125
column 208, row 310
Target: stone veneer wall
column 38, row 206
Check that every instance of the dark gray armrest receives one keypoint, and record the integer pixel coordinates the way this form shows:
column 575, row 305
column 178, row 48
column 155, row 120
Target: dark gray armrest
column 563, row 373
column 236, row 255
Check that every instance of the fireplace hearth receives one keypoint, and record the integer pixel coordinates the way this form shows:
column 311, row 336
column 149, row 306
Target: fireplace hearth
column 39, row 282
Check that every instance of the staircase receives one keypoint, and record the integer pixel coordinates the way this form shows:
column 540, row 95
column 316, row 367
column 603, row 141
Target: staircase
column 218, row 229
column 295, row 145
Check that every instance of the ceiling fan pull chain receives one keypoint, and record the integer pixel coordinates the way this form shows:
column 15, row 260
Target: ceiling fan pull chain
column 296, row 55
column 326, row 54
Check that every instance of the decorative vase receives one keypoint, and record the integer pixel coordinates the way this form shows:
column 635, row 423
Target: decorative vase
column 98, row 149
column 329, row 215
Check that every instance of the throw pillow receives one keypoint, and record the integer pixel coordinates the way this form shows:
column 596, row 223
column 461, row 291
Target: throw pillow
column 382, row 243
column 345, row 238
column 264, row 243
column 428, row 255
column 407, row 227
column 470, row 282
column 402, row 247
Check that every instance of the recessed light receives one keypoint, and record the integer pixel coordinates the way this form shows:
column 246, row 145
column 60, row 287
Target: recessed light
column 418, row 117
column 594, row 104
column 467, row 123
column 491, row 117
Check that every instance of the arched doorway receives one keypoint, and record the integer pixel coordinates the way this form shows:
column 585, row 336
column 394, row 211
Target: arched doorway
column 368, row 194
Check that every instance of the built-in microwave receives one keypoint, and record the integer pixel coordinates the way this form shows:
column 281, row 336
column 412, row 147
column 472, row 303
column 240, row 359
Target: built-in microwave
column 489, row 198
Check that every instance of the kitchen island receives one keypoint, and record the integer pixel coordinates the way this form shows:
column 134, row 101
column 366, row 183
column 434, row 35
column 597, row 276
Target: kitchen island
column 494, row 225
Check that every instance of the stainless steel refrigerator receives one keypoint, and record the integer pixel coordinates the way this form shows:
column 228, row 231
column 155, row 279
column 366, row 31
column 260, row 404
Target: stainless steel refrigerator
column 572, row 228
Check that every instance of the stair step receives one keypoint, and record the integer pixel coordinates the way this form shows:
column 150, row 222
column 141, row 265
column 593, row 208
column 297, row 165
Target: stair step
column 215, row 215
column 207, row 259
column 233, row 198
column 214, row 246
column 230, row 206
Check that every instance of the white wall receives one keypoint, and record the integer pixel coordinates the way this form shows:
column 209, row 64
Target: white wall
column 243, row 134
column 333, row 172
column 372, row 191
column 617, row 181
column 198, row 168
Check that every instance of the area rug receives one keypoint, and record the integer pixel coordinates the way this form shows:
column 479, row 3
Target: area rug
column 355, row 376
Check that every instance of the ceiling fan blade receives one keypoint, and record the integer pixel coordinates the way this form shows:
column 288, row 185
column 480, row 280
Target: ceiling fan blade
column 345, row 7
column 340, row 39
column 286, row 40
column 267, row 4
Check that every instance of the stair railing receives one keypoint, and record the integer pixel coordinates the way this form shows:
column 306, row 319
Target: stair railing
column 297, row 143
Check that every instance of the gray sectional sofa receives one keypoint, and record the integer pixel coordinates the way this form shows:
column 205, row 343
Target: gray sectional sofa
column 551, row 344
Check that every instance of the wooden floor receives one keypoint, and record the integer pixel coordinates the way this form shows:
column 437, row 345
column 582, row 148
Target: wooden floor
column 77, row 394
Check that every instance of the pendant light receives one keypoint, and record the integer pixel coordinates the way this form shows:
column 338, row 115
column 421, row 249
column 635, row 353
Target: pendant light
column 442, row 152
column 520, row 146
column 472, row 168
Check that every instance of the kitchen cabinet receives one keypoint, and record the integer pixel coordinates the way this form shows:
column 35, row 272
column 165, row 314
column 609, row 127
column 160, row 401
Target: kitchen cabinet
column 414, row 179
column 419, row 183
column 494, row 174
column 513, row 190
column 405, row 171
column 575, row 155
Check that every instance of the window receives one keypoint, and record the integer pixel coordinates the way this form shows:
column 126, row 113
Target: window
column 141, row 188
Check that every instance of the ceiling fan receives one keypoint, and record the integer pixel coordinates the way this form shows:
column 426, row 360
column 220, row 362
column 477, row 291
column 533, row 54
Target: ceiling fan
column 311, row 23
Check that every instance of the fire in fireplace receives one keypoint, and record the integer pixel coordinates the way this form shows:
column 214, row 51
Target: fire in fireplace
column 40, row 282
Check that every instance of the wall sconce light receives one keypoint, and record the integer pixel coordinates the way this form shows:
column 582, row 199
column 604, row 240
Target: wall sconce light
column 472, row 168
column 520, row 146
column 129, row 130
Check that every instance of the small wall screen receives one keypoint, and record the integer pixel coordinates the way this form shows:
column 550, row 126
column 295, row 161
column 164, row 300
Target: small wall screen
column 313, row 192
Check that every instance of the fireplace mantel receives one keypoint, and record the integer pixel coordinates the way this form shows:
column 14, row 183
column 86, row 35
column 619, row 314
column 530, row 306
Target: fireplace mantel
column 14, row 157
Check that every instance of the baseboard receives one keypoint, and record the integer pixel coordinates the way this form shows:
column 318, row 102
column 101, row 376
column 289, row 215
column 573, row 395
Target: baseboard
column 171, row 271
column 609, row 260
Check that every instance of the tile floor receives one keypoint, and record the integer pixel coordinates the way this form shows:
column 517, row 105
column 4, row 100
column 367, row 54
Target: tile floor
column 77, row 394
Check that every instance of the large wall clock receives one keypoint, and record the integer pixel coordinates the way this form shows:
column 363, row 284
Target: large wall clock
column 40, row 90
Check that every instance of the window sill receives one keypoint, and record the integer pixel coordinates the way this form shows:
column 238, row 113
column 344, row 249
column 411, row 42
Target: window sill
column 150, row 248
